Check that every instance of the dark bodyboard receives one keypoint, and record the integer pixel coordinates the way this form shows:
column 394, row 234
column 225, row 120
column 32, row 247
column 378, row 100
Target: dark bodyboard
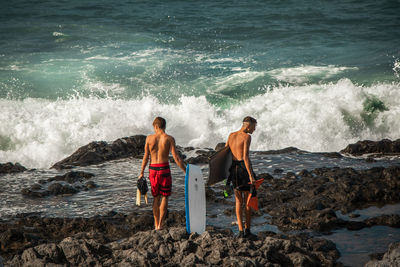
column 219, row 165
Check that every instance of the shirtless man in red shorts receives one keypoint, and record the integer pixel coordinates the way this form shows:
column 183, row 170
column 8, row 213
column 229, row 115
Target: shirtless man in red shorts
column 158, row 146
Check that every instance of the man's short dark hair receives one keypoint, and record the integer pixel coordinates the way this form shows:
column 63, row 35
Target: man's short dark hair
column 160, row 122
column 250, row 120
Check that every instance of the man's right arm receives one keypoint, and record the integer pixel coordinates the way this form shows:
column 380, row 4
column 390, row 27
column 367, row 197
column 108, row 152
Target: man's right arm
column 145, row 158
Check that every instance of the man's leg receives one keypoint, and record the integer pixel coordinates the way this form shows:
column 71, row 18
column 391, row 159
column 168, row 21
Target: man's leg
column 248, row 211
column 156, row 211
column 163, row 210
column 239, row 200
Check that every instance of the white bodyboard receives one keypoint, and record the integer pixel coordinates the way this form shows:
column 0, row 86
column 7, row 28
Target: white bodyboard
column 195, row 200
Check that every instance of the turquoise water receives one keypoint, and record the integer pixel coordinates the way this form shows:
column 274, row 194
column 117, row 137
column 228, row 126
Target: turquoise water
column 76, row 71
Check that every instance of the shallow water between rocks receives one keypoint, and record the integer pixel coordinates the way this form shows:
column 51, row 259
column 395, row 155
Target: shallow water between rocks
column 116, row 191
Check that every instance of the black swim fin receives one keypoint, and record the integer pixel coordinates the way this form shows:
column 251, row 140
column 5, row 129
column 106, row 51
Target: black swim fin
column 142, row 189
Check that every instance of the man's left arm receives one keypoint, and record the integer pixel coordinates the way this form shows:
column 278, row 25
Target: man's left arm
column 246, row 158
column 176, row 157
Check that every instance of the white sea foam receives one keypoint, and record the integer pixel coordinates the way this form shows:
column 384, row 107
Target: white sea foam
column 38, row 133
column 242, row 76
column 209, row 59
column 396, row 68
column 303, row 73
column 58, row 34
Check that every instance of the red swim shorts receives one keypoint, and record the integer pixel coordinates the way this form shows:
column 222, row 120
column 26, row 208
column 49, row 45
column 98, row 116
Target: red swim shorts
column 160, row 179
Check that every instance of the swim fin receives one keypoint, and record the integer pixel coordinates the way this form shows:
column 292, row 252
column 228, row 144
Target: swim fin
column 138, row 196
column 142, row 189
column 252, row 200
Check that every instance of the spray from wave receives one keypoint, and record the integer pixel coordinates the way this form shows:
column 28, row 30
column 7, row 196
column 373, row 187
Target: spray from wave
column 38, row 132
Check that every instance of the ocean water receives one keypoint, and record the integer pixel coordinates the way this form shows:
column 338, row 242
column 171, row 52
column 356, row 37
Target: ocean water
column 317, row 75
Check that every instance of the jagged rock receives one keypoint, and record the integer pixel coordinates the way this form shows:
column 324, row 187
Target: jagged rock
column 172, row 246
column 72, row 177
column 218, row 247
column 60, row 189
column 384, row 146
column 392, row 220
column 311, row 202
column 265, row 176
column 31, row 230
column 390, row 259
column 83, row 252
column 202, row 156
column 334, row 155
column 67, row 184
column 98, row 152
column 11, row 168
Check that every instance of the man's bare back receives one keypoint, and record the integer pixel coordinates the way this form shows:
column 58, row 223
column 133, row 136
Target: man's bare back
column 159, row 146
column 239, row 143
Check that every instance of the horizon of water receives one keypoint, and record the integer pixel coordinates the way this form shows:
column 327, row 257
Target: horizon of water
column 316, row 75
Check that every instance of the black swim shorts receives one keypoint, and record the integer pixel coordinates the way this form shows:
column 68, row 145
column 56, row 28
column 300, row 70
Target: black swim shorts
column 239, row 176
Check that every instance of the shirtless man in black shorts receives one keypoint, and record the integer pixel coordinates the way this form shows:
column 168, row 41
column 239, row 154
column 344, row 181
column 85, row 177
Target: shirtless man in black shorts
column 241, row 172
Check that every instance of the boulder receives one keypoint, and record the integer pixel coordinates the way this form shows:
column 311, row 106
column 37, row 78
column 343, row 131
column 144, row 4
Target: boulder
column 11, row 168
column 101, row 151
column 70, row 183
column 311, row 201
column 390, row 258
column 384, row 146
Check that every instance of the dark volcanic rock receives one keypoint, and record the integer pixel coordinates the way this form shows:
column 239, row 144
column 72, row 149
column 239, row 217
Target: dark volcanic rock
column 280, row 151
column 203, row 157
column 384, row 146
column 390, row 258
column 392, row 220
column 72, row 177
column 67, row 184
column 31, row 231
column 11, row 168
column 196, row 156
column 98, row 152
column 311, row 202
column 174, row 247
column 334, row 155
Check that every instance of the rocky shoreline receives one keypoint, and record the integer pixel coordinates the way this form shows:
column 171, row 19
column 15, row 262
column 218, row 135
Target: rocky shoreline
column 308, row 200
column 120, row 239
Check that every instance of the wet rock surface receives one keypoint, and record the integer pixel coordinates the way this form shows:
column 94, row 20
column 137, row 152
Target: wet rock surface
column 11, row 168
column 384, row 146
column 305, row 200
column 309, row 200
column 119, row 239
column 27, row 231
column 390, row 258
column 98, row 152
column 67, row 184
column 174, row 247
